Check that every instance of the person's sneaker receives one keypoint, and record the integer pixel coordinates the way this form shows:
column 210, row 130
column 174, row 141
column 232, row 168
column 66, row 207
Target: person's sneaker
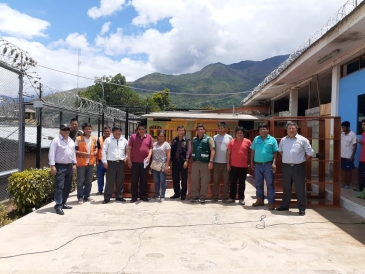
column 346, row 187
column 194, row 200
column 230, row 201
column 224, row 201
column 202, row 201
column 242, row 202
column 155, row 197
column 80, row 201
column 162, row 199
column 99, row 193
column 88, row 199
column 214, row 200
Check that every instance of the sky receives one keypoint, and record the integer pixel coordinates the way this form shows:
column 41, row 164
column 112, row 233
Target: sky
column 139, row 37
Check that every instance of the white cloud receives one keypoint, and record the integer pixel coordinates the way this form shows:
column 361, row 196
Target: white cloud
column 105, row 28
column 107, row 7
column 13, row 22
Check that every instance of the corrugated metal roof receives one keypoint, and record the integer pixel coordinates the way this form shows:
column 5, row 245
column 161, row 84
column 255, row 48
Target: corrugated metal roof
column 200, row 115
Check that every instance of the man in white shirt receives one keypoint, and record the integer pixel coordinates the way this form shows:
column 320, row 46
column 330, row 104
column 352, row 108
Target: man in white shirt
column 114, row 157
column 348, row 150
column 221, row 141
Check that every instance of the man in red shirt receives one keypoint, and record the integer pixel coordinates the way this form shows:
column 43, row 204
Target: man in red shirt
column 362, row 159
column 139, row 156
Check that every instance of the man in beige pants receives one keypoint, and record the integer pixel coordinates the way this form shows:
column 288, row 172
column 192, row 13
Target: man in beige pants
column 203, row 151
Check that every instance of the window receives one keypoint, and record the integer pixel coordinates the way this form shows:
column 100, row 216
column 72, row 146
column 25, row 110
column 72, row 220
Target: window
column 360, row 112
column 352, row 66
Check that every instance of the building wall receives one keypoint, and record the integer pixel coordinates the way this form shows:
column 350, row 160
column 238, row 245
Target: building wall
column 350, row 87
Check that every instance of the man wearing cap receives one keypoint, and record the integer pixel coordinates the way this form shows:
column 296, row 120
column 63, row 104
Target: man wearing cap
column 62, row 159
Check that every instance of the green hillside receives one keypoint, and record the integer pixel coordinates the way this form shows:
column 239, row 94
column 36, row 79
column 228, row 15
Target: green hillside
column 214, row 78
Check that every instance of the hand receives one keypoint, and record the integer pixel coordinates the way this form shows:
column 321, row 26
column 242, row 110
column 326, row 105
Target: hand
column 74, row 168
column 252, row 166
column 185, row 165
column 273, row 168
column 53, row 170
column 129, row 163
column 166, row 170
column 210, row 165
column 352, row 158
column 228, row 167
column 105, row 165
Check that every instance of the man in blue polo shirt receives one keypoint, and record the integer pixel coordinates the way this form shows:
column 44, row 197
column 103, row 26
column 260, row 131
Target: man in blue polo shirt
column 263, row 162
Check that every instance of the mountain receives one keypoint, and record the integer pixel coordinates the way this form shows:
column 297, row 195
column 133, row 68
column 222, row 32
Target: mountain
column 214, row 78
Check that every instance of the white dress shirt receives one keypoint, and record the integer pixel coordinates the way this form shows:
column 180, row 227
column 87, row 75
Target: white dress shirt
column 114, row 149
column 62, row 151
column 295, row 149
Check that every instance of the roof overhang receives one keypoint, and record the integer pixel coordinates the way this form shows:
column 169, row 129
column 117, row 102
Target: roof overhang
column 336, row 47
column 201, row 116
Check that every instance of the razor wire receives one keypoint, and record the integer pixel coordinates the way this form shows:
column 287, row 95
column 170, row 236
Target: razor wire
column 344, row 10
column 72, row 101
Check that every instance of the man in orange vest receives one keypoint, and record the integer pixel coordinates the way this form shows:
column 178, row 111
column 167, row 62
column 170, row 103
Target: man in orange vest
column 86, row 153
column 100, row 169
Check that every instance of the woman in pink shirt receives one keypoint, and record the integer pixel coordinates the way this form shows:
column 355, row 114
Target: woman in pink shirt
column 237, row 162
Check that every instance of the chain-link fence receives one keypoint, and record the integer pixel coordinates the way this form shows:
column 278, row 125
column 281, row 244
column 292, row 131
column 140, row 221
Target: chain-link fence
column 10, row 125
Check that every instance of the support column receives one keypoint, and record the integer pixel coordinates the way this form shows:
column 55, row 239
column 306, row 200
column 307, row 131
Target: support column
column 293, row 102
column 336, row 73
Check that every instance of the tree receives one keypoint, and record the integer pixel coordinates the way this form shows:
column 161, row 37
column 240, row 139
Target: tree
column 163, row 100
column 113, row 94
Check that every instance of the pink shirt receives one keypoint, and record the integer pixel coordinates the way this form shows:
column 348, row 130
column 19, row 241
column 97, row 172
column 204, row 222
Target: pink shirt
column 140, row 147
column 239, row 152
column 362, row 154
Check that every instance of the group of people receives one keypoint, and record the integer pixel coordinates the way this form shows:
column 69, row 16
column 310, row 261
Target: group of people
column 228, row 157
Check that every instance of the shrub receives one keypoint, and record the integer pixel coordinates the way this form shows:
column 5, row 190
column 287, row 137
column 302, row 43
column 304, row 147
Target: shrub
column 33, row 188
column 4, row 220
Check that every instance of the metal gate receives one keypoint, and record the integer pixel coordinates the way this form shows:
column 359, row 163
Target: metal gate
column 11, row 126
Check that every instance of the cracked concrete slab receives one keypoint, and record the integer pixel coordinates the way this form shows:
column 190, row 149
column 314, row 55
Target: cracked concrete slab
column 182, row 237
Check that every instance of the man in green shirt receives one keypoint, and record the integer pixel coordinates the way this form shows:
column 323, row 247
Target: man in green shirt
column 203, row 151
column 263, row 162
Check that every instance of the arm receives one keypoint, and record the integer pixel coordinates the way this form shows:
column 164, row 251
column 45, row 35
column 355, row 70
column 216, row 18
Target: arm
column 212, row 153
column 188, row 154
column 104, row 153
column 308, row 150
column 354, row 147
column 129, row 156
column 51, row 157
column 273, row 166
column 126, row 153
column 252, row 157
column 360, row 142
column 168, row 156
column 228, row 159
column 150, row 152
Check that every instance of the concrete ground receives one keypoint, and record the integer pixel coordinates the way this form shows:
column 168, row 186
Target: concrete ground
column 182, row 237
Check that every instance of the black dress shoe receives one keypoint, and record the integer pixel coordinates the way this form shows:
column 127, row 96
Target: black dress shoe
column 133, row 200
column 120, row 199
column 183, row 198
column 66, row 207
column 106, row 201
column 301, row 212
column 281, row 208
column 144, row 199
column 59, row 211
column 175, row 196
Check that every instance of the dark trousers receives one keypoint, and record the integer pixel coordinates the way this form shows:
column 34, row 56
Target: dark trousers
column 139, row 174
column 114, row 176
column 237, row 174
column 361, row 175
column 294, row 174
column 178, row 171
column 62, row 185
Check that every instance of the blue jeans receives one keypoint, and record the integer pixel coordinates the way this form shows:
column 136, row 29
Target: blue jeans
column 100, row 172
column 264, row 171
column 62, row 184
column 160, row 180
column 84, row 180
